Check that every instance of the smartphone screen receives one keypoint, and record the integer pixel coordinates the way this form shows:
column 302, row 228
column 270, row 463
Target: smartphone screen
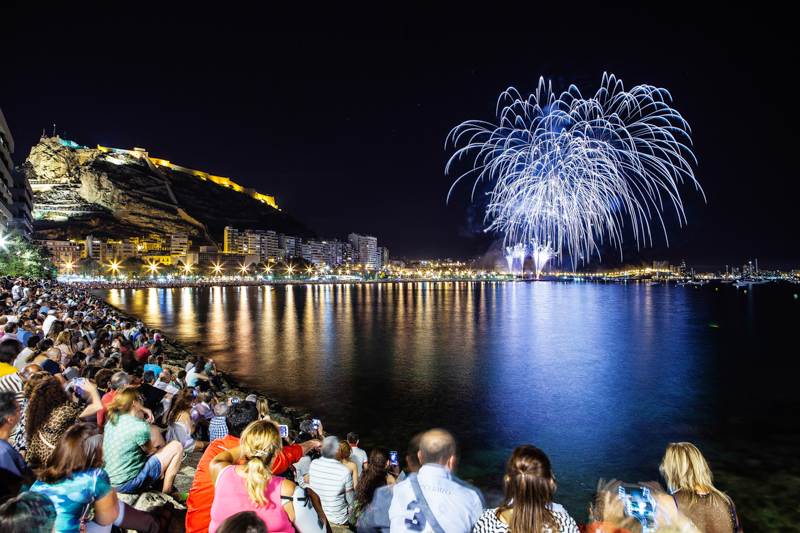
column 195, row 414
column 284, row 431
column 393, row 457
column 316, row 423
column 234, row 400
column 639, row 504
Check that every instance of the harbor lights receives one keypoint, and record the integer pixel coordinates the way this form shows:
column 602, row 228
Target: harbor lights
column 217, row 269
column 153, row 268
column 114, row 268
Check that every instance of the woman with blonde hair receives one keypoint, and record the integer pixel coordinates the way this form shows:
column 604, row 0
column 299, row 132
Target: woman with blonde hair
column 344, row 457
column 134, row 459
column 528, row 506
column 263, row 409
column 252, row 486
column 690, row 482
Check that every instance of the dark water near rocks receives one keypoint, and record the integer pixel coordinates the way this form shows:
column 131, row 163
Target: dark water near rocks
column 601, row 377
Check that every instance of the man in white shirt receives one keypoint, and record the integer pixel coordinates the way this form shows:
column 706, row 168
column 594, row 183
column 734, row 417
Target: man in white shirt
column 19, row 362
column 165, row 382
column 455, row 505
column 357, row 455
column 332, row 481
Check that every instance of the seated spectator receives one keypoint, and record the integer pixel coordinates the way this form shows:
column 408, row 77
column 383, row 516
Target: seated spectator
column 251, row 398
column 344, row 458
column 35, row 375
column 74, row 480
column 217, row 429
column 301, row 467
column 49, row 360
column 332, row 481
column 10, row 334
column 191, row 363
column 157, row 400
column 143, row 354
column 134, row 459
column 252, row 486
column 167, row 382
column 117, row 381
column 689, row 480
column 153, row 366
column 529, row 489
column 102, row 379
column 9, row 349
column 358, row 456
column 20, row 361
column 239, row 416
column 51, row 411
column 30, row 512
column 183, row 422
column 244, row 522
column 378, row 474
column 263, row 409
column 205, row 405
column 15, row 473
column 453, row 504
column 196, row 377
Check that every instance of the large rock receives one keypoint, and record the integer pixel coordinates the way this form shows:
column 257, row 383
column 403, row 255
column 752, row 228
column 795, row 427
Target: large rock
column 80, row 191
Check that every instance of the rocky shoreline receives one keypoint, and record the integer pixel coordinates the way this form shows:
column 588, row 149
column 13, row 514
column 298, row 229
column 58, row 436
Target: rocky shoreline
column 176, row 355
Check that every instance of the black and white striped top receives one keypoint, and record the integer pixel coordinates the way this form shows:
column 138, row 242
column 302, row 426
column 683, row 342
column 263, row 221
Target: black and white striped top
column 331, row 480
column 489, row 523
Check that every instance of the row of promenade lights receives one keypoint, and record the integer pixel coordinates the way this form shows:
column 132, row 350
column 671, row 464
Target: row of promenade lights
column 114, row 268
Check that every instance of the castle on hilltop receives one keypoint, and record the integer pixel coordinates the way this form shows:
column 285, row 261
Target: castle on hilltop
column 219, row 180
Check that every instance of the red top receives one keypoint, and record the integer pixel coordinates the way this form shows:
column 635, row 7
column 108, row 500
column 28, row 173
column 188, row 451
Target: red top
column 201, row 495
column 142, row 355
column 106, row 401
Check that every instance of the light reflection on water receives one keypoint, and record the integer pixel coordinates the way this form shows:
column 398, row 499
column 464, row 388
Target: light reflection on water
column 601, row 377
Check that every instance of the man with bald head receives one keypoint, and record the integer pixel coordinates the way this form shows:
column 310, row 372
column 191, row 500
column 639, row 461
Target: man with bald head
column 434, row 500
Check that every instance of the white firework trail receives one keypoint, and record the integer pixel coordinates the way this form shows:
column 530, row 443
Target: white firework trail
column 569, row 171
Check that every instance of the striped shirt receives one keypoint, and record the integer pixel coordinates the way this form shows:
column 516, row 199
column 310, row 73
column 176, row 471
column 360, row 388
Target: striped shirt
column 331, row 480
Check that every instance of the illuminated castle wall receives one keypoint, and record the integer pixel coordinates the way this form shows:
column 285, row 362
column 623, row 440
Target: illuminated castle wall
column 219, row 180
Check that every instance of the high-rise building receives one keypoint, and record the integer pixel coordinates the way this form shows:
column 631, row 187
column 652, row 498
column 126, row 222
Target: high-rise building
column 6, row 182
column 683, row 267
column 292, row 245
column 367, row 248
column 383, row 252
column 179, row 245
column 233, row 242
column 313, row 251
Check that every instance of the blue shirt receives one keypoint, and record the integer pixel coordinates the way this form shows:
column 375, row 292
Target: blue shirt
column 12, row 468
column 23, row 336
column 456, row 505
column 155, row 368
column 74, row 495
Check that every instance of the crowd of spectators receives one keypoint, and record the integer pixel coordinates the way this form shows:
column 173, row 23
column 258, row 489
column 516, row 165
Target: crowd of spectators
column 89, row 411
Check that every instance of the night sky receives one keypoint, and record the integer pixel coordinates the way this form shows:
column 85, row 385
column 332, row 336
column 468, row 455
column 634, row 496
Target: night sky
column 343, row 115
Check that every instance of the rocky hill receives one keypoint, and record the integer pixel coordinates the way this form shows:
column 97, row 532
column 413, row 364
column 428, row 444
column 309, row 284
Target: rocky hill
column 80, row 191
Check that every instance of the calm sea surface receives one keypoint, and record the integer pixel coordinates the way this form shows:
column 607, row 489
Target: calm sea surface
column 601, row 377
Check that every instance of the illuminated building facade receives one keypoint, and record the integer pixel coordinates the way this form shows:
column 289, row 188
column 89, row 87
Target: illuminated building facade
column 366, row 246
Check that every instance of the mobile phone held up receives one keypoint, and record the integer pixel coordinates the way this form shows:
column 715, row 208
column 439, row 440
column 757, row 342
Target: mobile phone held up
column 393, row 458
column 317, row 423
column 284, row 431
column 639, row 504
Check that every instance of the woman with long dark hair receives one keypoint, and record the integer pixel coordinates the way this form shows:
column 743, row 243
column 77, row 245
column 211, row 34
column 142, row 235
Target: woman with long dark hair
column 378, row 473
column 183, row 421
column 77, row 484
column 51, row 411
column 529, row 488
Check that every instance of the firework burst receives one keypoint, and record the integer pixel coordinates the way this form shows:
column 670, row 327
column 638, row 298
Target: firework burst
column 569, row 172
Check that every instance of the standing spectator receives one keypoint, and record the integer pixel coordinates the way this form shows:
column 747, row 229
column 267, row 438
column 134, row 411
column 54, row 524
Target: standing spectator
column 12, row 465
column 332, row 481
column 358, row 456
column 454, row 505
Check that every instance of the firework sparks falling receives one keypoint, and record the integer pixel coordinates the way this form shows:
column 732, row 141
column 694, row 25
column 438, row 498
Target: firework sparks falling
column 570, row 171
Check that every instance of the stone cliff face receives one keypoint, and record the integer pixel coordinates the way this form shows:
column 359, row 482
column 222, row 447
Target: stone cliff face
column 116, row 195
